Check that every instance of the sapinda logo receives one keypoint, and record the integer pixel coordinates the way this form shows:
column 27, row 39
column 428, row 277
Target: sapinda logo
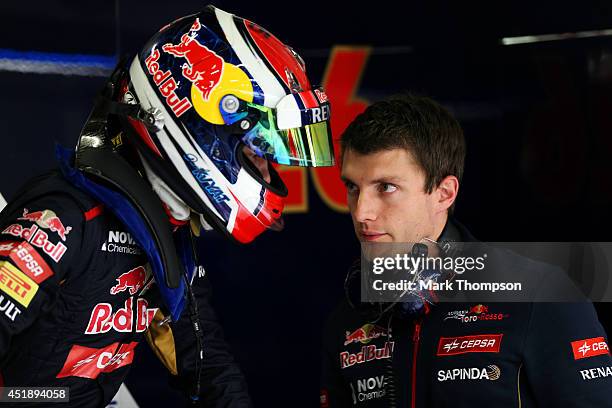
column 491, row 372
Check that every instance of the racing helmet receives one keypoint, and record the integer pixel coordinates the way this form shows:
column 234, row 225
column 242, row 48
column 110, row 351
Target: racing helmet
column 206, row 86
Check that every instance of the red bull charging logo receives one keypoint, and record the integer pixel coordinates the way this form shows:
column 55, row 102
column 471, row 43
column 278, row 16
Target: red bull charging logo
column 364, row 334
column 203, row 67
column 47, row 219
column 132, row 280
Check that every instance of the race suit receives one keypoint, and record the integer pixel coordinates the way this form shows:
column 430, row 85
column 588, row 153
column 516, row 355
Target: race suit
column 77, row 297
column 466, row 355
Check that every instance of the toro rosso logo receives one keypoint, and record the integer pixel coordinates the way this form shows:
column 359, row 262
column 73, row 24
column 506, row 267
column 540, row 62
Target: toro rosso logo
column 131, row 280
column 203, row 67
column 47, row 219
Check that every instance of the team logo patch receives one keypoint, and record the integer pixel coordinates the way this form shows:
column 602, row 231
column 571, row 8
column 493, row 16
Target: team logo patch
column 491, row 373
column 8, row 308
column 475, row 313
column 596, row 346
column 47, row 219
column 132, row 281
column 16, row 284
column 367, row 389
column 367, row 353
column 121, row 242
column 103, row 319
column 597, row 372
column 203, row 67
column 364, row 334
column 39, row 238
column 86, row 362
column 480, row 343
column 27, row 260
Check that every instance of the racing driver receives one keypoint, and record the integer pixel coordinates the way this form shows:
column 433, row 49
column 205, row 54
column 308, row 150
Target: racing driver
column 99, row 254
column 402, row 161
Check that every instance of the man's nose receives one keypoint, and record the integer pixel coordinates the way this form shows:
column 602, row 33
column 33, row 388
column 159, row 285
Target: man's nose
column 365, row 208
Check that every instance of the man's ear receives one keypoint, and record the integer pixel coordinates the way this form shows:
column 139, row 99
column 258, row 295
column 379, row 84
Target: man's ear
column 447, row 192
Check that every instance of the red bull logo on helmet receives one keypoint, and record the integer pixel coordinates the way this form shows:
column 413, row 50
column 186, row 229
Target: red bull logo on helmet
column 47, row 219
column 203, row 67
column 166, row 84
column 132, row 280
column 364, row 334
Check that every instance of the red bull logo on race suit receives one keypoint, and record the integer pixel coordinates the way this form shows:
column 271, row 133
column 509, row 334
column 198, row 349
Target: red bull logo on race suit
column 364, row 334
column 132, row 280
column 47, row 219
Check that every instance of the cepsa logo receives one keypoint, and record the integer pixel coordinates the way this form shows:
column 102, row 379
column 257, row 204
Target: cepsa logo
column 86, row 362
column 27, row 259
column 480, row 343
column 596, row 346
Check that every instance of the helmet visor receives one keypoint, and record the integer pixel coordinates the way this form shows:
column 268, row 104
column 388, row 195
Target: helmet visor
column 286, row 134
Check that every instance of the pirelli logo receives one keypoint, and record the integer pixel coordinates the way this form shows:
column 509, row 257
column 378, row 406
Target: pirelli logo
column 16, row 284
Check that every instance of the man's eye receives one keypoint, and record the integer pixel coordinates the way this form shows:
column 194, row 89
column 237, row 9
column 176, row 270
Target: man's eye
column 387, row 188
column 350, row 187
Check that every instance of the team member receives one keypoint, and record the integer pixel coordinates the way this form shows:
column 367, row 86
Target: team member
column 179, row 140
column 402, row 162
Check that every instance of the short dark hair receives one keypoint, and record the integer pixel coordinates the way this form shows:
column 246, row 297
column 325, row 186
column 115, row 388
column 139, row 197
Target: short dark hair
column 416, row 123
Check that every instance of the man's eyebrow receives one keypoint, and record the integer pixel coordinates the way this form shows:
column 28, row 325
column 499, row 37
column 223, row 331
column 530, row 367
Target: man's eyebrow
column 388, row 179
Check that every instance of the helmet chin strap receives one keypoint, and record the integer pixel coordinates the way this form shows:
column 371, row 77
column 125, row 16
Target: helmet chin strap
column 176, row 207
